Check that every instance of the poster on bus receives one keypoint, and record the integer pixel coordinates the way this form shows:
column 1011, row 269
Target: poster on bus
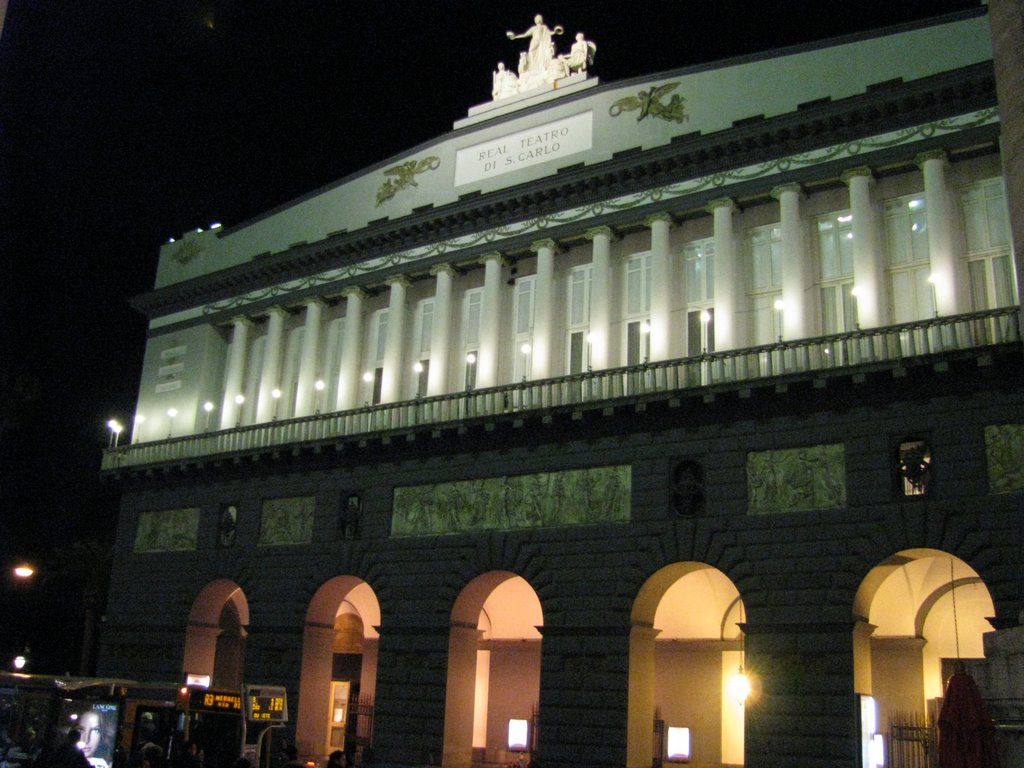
column 96, row 722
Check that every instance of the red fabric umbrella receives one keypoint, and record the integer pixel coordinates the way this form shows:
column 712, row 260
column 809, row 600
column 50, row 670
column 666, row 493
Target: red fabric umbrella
column 967, row 736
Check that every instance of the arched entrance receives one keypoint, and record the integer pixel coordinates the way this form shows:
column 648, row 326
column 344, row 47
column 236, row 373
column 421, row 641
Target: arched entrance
column 338, row 678
column 215, row 635
column 493, row 670
column 915, row 615
column 685, row 646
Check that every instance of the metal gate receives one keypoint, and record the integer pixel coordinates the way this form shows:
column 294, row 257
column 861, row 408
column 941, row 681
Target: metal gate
column 912, row 742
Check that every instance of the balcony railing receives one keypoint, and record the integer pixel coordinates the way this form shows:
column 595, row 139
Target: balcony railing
column 890, row 344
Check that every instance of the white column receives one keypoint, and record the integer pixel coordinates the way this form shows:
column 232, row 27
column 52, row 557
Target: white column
column 543, row 309
column 795, row 320
column 490, row 316
column 270, row 380
column 868, row 267
column 235, row 373
column 661, row 287
column 727, row 290
column 441, row 330
column 599, row 339
column 309, row 360
column 351, row 350
column 943, row 275
column 394, row 351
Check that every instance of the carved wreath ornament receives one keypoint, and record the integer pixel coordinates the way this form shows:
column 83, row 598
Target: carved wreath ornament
column 404, row 175
column 649, row 102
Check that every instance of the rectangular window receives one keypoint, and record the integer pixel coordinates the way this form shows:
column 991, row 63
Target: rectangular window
column 987, row 232
column 578, row 318
column 638, row 285
column 471, row 318
column 907, row 255
column 638, row 342
column 700, row 327
column 422, row 371
column 700, row 270
column 765, row 273
column 835, row 269
column 766, row 258
column 424, row 326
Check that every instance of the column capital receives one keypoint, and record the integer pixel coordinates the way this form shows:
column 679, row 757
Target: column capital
column 242, row 320
column 605, row 231
column 933, row 154
column 439, row 269
column 779, row 191
column 720, row 202
column 277, row 310
column 401, row 280
column 355, row 291
column 656, row 218
column 492, row 256
column 316, row 301
column 546, row 242
column 861, row 171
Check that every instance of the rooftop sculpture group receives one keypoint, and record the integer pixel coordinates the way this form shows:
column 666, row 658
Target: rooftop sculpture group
column 539, row 65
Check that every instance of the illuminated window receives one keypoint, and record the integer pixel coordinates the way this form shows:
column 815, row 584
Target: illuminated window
column 914, row 468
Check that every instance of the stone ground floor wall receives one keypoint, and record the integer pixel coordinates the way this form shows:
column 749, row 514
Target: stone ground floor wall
column 797, row 572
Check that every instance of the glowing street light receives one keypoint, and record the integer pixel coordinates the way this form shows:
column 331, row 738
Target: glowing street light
column 116, row 428
column 208, row 407
column 171, row 413
column 23, row 571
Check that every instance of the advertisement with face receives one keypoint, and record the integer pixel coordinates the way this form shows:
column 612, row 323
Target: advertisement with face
column 96, row 721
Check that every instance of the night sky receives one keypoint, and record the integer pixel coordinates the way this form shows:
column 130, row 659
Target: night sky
column 125, row 123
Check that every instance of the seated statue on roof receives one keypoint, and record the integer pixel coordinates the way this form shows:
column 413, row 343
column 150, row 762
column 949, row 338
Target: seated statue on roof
column 540, row 65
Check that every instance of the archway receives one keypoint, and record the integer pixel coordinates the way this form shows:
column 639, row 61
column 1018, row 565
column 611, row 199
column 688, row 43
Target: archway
column 685, row 646
column 493, row 670
column 215, row 634
column 915, row 615
column 338, row 678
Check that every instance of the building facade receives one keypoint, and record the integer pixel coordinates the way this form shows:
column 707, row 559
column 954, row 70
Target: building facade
column 562, row 420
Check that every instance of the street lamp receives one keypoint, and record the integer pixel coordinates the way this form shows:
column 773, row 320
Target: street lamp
column 208, row 407
column 23, row 571
column 171, row 413
column 116, row 429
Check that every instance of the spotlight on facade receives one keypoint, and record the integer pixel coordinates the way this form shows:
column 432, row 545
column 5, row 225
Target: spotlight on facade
column 471, row 358
column 417, row 367
column 368, row 377
column 239, row 399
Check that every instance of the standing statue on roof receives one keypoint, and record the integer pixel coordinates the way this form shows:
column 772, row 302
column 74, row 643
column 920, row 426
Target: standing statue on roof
column 542, row 49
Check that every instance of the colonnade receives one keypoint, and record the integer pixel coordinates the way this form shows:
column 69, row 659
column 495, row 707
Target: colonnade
column 797, row 306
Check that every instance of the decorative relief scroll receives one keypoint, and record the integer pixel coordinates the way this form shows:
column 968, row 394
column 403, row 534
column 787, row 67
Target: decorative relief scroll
column 287, row 521
column 649, row 103
column 404, row 175
column 167, row 530
column 1004, row 449
column 544, row 499
column 796, row 479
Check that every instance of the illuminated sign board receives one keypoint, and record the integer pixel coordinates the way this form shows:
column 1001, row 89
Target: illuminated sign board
column 214, row 701
column 266, row 703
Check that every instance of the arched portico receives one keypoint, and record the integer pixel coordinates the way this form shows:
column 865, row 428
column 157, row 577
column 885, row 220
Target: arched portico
column 339, row 667
column 915, row 614
column 685, row 645
column 215, row 635
column 493, row 669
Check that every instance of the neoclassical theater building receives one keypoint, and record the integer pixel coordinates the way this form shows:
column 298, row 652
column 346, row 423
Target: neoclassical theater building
column 527, row 442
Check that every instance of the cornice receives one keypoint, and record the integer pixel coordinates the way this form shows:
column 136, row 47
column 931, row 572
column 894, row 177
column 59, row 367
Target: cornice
column 885, row 107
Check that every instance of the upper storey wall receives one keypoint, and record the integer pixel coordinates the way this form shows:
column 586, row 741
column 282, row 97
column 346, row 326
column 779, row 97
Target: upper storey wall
column 583, row 127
